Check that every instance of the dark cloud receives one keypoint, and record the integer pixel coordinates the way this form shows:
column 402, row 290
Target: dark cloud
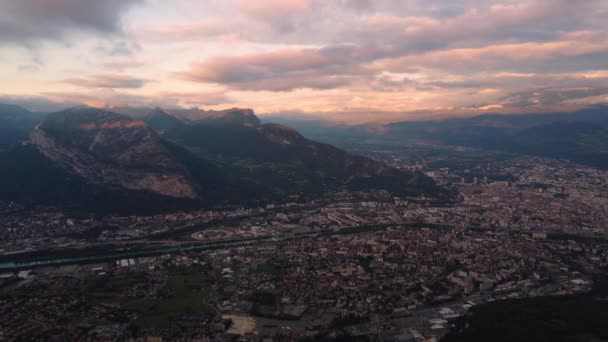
column 26, row 21
column 107, row 81
column 551, row 96
column 118, row 48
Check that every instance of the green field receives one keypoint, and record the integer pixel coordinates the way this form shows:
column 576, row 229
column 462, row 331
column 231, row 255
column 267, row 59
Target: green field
column 268, row 268
column 187, row 290
column 109, row 289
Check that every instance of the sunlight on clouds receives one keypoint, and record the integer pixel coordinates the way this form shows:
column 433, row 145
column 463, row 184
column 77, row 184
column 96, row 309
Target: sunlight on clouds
column 352, row 60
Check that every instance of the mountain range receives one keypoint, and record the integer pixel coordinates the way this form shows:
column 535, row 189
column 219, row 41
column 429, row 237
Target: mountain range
column 97, row 159
column 580, row 136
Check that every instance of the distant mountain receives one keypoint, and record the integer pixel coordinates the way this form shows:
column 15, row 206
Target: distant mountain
column 240, row 116
column 321, row 130
column 595, row 114
column 581, row 142
column 162, row 121
column 15, row 125
column 578, row 136
column 136, row 113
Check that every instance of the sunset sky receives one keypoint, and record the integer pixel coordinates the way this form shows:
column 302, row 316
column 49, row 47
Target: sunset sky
column 346, row 60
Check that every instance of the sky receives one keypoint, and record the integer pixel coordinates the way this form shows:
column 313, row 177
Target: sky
column 351, row 61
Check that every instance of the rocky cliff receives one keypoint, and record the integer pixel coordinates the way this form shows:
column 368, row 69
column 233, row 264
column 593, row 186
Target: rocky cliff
column 111, row 149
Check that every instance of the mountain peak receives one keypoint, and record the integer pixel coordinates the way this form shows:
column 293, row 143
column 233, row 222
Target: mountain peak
column 72, row 118
column 162, row 121
column 13, row 111
column 232, row 116
column 15, row 124
column 81, row 125
column 161, row 111
column 239, row 116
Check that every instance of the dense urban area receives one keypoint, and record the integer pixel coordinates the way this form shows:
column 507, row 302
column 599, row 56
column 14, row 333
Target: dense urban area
column 349, row 265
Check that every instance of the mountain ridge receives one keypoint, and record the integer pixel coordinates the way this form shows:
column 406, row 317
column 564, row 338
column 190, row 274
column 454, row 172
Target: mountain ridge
column 94, row 155
column 15, row 125
column 281, row 153
column 500, row 132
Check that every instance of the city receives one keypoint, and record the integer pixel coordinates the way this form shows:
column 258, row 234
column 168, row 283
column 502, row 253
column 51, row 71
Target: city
column 359, row 265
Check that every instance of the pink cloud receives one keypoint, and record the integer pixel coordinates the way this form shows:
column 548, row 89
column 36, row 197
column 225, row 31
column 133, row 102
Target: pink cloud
column 274, row 9
column 279, row 70
column 508, row 56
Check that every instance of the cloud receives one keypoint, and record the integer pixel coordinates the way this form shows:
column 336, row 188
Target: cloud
column 271, row 10
column 25, row 21
column 359, row 57
column 381, row 36
column 38, row 103
column 56, row 101
column 123, row 64
column 572, row 51
column 119, row 48
column 113, row 98
column 340, row 66
column 514, row 36
column 195, row 99
column 279, row 14
column 280, row 70
column 400, row 26
column 29, row 67
column 551, row 96
column 107, row 81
